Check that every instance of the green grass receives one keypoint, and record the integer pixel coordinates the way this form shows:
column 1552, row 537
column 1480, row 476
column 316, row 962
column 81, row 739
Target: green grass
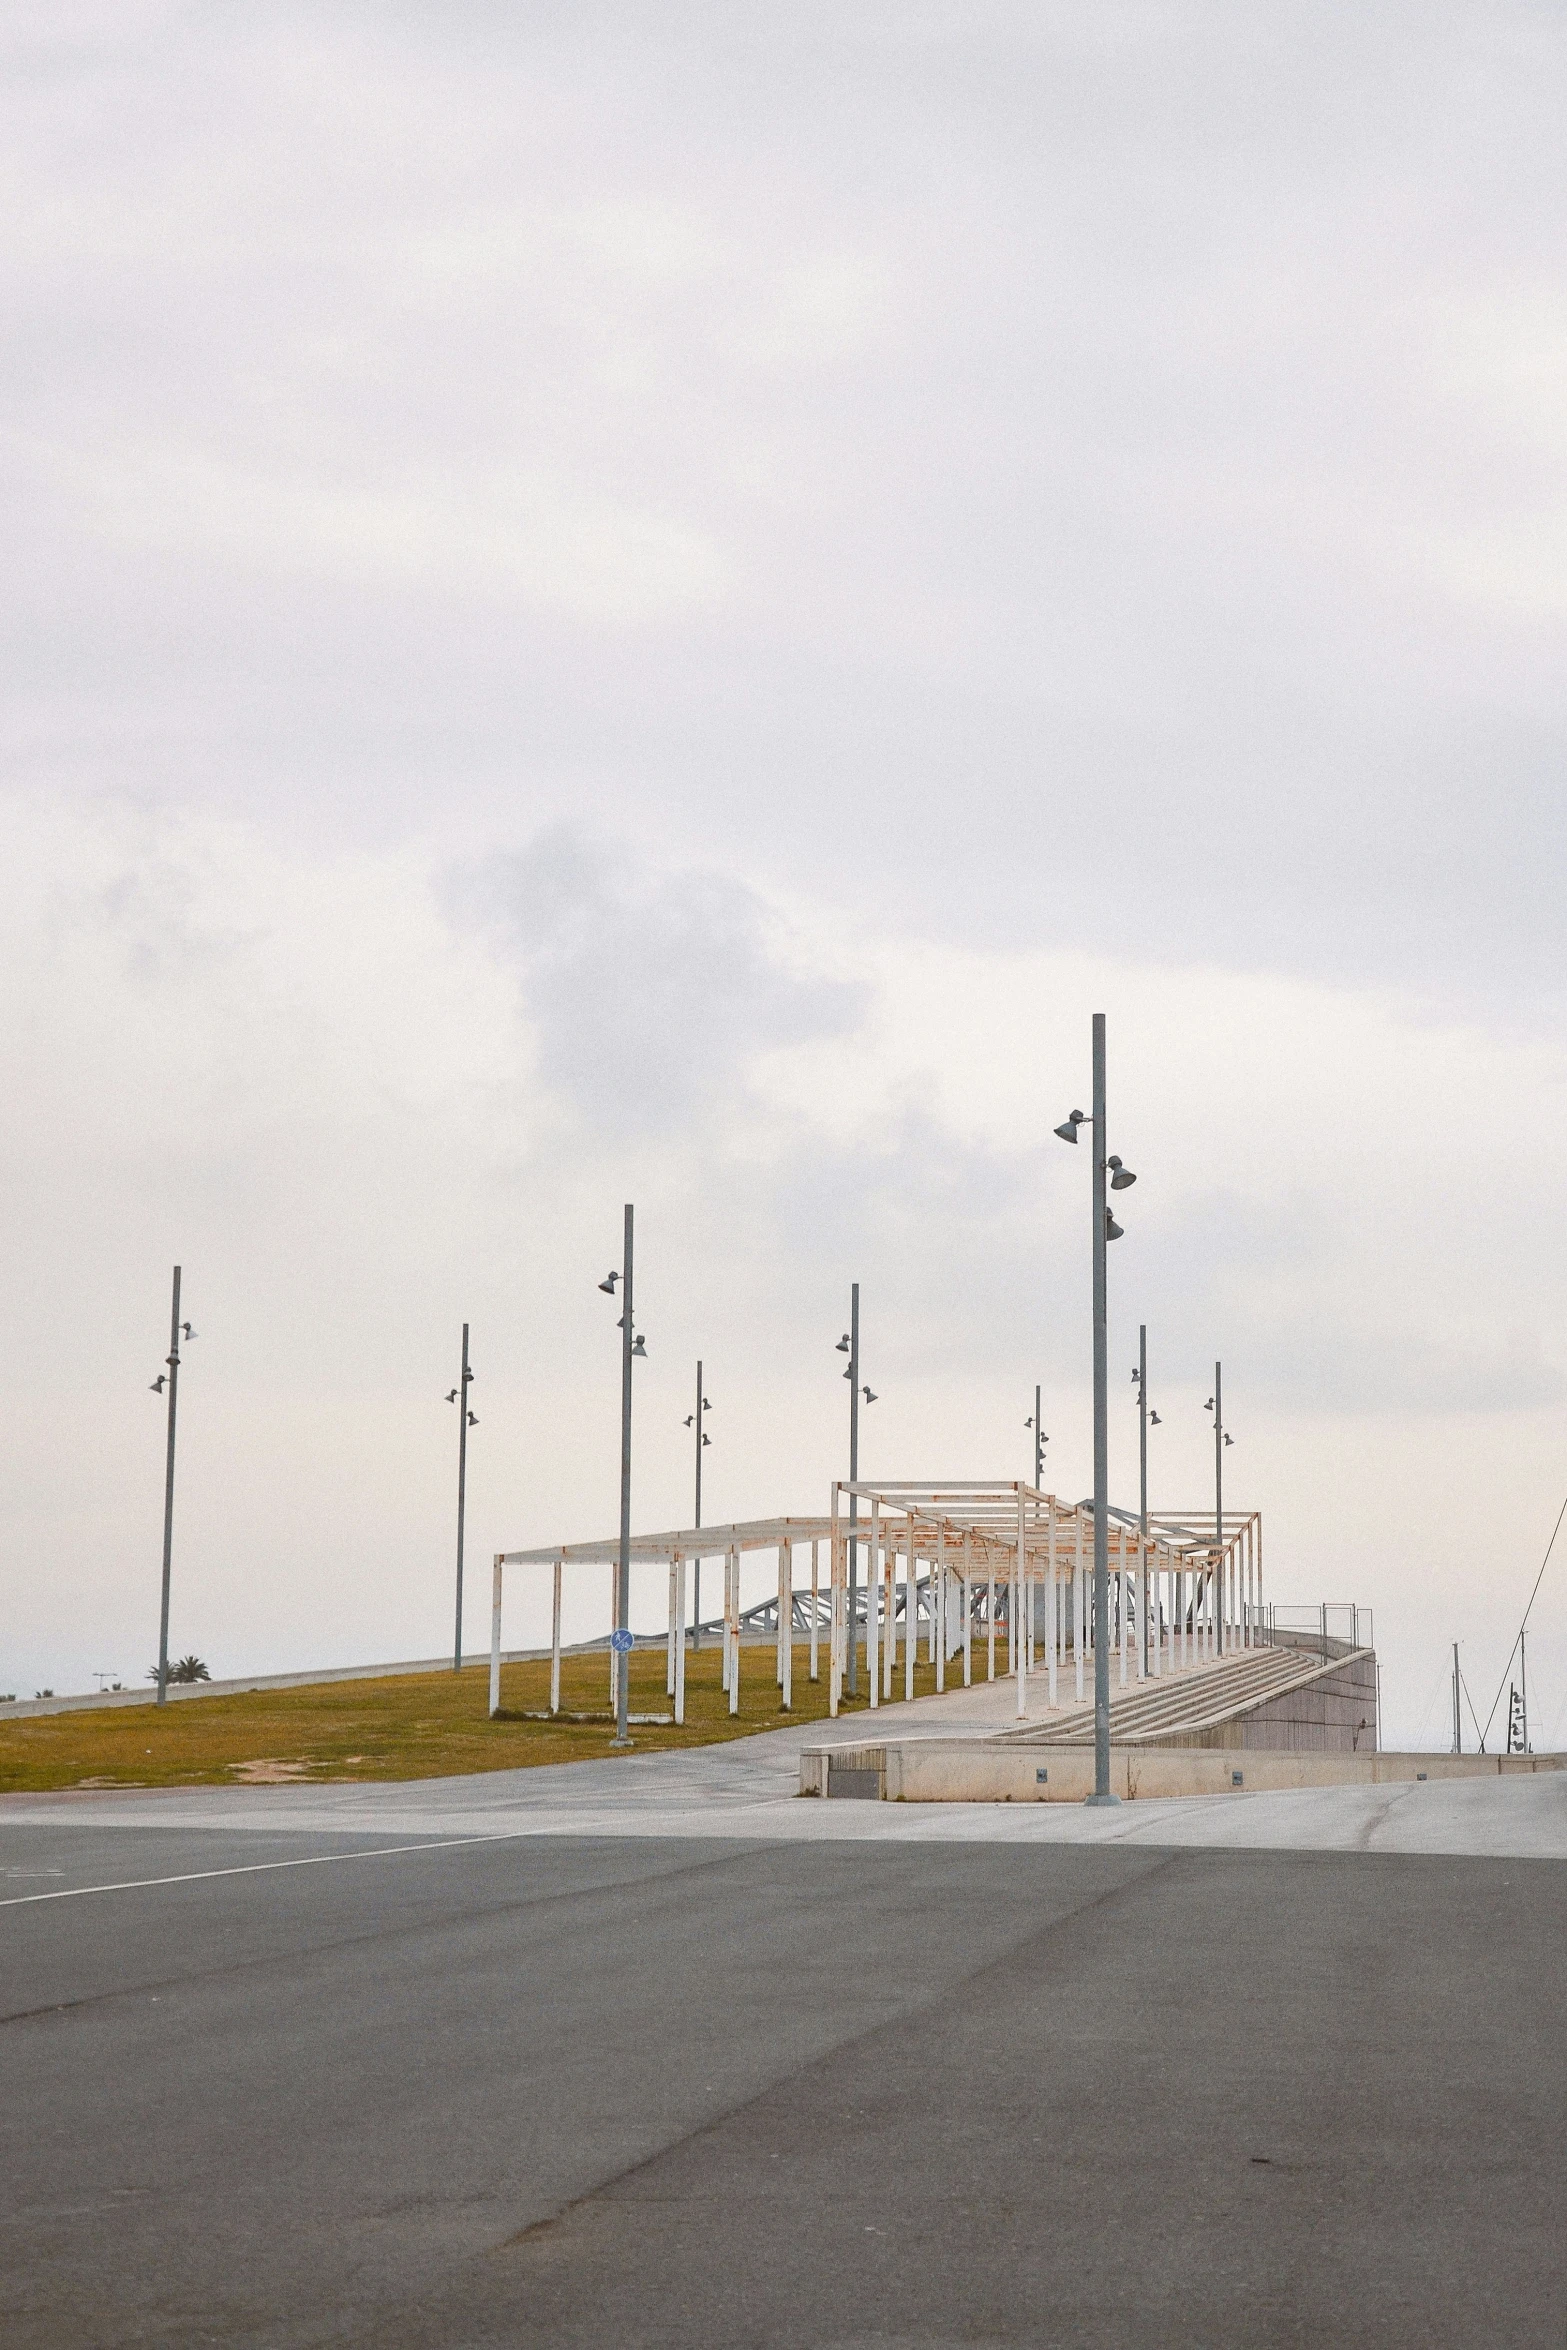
column 413, row 1726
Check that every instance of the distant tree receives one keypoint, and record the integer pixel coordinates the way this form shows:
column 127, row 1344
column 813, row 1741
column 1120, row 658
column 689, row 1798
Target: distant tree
column 188, row 1668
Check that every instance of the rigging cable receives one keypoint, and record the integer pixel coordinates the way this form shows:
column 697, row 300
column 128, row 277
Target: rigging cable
column 1524, row 1626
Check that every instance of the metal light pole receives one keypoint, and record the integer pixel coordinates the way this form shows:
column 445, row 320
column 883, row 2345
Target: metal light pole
column 854, row 1499
column 695, row 1421
column 1142, row 1485
column 168, row 1490
column 1458, row 1727
column 1219, row 1442
column 1101, row 1792
column 465, row 1420
column 1038, row 1426
column 623, row 1579
column 1105, row 1229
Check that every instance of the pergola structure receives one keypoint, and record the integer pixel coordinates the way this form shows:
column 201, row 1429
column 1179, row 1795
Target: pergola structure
column 964, row 1561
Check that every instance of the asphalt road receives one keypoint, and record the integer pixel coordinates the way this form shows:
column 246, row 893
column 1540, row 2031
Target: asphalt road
column 583, row 2090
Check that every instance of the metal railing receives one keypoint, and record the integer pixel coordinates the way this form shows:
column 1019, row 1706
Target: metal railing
column 1334, row 1625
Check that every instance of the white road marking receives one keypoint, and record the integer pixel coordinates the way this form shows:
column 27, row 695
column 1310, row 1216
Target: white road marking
column 254, row 1868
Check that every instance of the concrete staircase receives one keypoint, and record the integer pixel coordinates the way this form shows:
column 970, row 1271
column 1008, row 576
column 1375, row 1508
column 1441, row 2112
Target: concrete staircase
column 1178, row 1707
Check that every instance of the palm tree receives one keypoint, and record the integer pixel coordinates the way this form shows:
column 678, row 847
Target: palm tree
column 188, row 1668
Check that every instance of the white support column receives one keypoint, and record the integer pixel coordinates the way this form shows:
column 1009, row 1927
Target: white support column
column 968, row 1603
column 674, row 1629
column 911, row 1617
column 990, row 1613
column 873, row 1606
column 937, row 1643
column 815, row 1609
column 786, row 1606
column 1051, row 1609
column 733, row 1618
column 680, row 1641
column 780, row 1634
column 1142, row 1584
column 555, row 1640
column 1126, row 1596
column 889, row 1645
column 1156, row 1603
column 938, row 1606
column 614, row 1618
column 835, row 1577
column 495, row 1641
column 1077, row 1603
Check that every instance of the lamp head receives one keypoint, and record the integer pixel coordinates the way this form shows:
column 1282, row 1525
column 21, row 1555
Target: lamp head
column 1113, row 1231
column 690, row 1418
column 1154, row 1420
column 1069, row 1126
column 472, row 1422
column 639, row 1346
column 1120, row 1177
column 157, row 1386
column 843, row 1344
column 865, row 1391
column 608, row 1284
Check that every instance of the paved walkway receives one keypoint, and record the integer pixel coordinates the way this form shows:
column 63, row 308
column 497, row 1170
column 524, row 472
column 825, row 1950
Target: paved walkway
column 748, row 1789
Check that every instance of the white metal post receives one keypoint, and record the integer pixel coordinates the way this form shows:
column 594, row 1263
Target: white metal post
column 672, row 1637
column 786, row 1608
column 732, row 1618
column 990, row 1613
column 495, row 1641
column 911, row 1617
column 815, row 1608
column 1051, row 1607
column 835, row 1624
column 555, row 1642
column 1077, row 1602
column 680, row 1640
column 872, row 1606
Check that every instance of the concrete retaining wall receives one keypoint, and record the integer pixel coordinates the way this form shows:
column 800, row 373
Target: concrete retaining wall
column 983, row 1770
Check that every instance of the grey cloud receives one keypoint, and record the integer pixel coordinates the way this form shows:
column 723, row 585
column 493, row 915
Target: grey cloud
column 650, row 994
column 1017, row 448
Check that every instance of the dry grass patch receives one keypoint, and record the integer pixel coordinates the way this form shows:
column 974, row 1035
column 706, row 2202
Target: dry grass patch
column 414, row 1726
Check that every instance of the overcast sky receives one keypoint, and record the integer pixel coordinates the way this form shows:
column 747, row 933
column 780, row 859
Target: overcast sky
column 609, row 602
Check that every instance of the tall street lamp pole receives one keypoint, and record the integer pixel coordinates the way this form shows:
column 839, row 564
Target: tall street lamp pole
column 695, row 1422
column 623, row 1579
column 1142, row 1484
column 1221, row 1437
column 173, row 1361
column 854, row 1474
column 849, row 1344
column 1105, row 1229
column 1040, row 1441
column 465, row 1421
